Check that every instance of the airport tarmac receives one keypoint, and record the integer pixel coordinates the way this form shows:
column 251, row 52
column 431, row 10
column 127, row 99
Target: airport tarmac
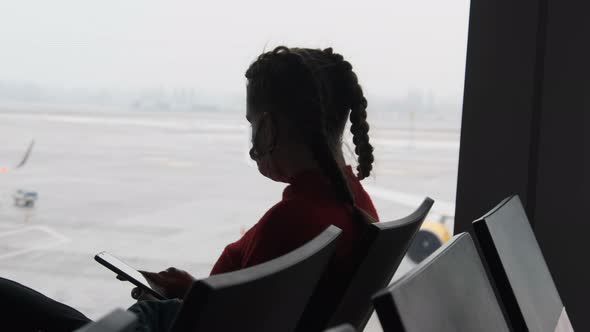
column 169, row 189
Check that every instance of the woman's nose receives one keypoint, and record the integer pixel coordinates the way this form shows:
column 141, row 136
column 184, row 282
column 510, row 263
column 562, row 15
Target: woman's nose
column 253, row 154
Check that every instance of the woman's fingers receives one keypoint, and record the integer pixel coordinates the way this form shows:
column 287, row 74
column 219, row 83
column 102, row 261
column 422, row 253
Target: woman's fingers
column 136, row 293
column 120, row 277
column 172, row 282
column 141, row 295
column 150, row 275
column 155, row 278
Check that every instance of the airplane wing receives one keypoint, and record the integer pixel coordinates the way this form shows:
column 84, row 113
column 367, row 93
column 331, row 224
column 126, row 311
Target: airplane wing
column 26, row 156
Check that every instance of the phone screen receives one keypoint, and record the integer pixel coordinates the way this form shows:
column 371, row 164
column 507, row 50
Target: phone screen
column 116, row 265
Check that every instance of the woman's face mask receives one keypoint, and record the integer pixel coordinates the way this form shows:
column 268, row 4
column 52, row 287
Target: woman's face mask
column 263, row 136
column 264, row 142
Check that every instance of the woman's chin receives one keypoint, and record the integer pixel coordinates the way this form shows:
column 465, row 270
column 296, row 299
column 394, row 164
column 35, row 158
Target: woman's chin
column 272, row 176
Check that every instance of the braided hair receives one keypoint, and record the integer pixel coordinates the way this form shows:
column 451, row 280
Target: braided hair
column 317, row 90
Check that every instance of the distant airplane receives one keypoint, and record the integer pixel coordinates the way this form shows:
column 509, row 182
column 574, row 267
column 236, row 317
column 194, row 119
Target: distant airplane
column 23, row 198
column 23, row 161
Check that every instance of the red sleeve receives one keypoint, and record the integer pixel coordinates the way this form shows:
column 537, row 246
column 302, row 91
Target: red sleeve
column 277, row 233
column 228, row 261
column 232, row 256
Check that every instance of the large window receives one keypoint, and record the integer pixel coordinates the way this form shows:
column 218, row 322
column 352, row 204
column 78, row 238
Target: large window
column 140, row 147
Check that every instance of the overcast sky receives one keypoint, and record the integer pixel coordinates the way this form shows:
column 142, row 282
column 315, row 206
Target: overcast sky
column 394, row 45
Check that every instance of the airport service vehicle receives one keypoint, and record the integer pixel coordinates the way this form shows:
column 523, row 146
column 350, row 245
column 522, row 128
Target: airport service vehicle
column 24, row 198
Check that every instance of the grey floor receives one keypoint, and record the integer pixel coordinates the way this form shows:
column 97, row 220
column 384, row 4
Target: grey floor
column 169, row 189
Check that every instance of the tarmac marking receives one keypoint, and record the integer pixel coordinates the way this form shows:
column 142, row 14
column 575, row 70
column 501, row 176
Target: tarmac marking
column 59, row 240
column 416, row 143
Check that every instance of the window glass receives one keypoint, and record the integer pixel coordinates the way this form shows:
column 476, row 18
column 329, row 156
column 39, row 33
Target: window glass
column 134, row 116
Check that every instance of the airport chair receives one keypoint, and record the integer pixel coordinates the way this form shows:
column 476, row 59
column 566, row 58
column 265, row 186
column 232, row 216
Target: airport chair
column 518, row 269
column 447, row 292
column 341, row 328
column 380, row 252
column 266, row 297
column 117, row 320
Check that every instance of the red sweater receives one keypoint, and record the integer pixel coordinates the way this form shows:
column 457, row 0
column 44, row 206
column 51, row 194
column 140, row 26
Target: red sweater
column 309, row 205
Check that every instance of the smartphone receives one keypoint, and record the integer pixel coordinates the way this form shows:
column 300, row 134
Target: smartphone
column 132, row 275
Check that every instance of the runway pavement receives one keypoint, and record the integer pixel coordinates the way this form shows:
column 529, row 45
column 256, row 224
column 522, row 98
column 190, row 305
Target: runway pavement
column 169, row 189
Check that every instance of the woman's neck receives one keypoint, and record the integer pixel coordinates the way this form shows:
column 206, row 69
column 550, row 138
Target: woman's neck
column 295, row 160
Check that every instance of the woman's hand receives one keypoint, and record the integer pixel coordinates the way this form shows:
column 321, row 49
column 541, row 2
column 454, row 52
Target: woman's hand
column 172, row 283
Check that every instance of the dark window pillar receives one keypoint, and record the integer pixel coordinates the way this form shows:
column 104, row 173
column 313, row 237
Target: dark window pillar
column 525, row 130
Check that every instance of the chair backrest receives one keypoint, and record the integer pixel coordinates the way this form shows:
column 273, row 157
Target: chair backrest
column 518, row 268
column 447, row 292
column 378, row 256
column 116, row 321
column 266, row 297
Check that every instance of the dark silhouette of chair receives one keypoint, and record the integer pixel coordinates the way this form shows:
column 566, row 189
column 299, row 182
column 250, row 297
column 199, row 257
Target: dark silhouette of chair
column 518, row 268
column 116, row 321
column 379, row 254
column 447, row 292
column 266, row 297
column 341, row 328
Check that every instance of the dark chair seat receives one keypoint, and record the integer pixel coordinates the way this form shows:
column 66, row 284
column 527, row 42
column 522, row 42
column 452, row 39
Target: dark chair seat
column 518, row 268
column 266, row 297
column 379, row 254
column 447, row 292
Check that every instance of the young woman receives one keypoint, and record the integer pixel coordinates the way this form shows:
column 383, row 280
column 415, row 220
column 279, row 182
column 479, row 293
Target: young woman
column 298, row 104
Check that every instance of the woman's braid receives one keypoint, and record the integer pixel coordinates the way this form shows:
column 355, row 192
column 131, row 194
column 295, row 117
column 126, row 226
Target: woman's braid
column 358, row 117
column 360, row 133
